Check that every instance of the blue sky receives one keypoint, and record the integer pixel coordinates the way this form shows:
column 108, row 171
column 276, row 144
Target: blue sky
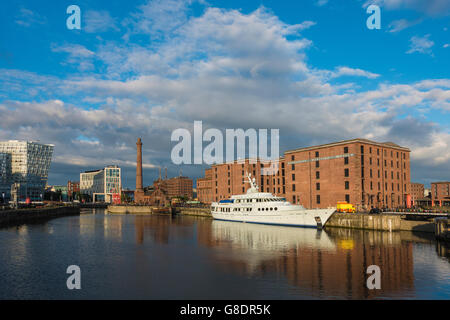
column 144, row 68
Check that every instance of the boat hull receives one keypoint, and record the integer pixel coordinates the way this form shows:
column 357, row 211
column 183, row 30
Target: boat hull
column 306, row 218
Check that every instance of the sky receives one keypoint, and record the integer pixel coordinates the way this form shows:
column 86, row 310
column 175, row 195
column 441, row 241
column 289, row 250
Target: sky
column 310, row 68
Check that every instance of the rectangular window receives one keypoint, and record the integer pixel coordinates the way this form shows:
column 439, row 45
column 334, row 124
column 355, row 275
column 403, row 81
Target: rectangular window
column 318, row 199
column 345, row 149
column 317, row 175
column 293, row 167
column 347, row 198
column 293, row 177
column 346, row 160
column 293, row 187
column 317, row 154
column 346, row 172
column 317, row 164
column 362, row 149
column 317, row 186
column 347, row 185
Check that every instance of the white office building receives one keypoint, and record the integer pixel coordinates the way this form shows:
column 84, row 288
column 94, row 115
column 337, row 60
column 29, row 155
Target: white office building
column 26, row 164
column 101, row 185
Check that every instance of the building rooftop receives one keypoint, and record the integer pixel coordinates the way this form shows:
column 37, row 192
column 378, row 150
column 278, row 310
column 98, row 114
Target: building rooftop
column 37, row 142
column 357, row 140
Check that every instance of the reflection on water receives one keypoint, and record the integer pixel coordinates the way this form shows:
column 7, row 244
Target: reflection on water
column 160, row 257
column 325, row 263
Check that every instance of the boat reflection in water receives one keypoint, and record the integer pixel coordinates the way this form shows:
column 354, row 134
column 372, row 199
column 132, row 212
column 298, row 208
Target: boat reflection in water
column 329, row 263
column 270, row 239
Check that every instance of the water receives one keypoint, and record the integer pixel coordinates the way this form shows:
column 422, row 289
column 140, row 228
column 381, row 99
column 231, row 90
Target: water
column 159, row 257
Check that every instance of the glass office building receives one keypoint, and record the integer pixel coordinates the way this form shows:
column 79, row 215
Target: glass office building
column 26, row 164
column 101, row 185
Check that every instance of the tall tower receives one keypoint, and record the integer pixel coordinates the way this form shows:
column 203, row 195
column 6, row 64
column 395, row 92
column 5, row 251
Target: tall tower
column 139, row 187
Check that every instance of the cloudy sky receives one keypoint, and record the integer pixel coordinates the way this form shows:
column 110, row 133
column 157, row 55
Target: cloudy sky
column 310, row 68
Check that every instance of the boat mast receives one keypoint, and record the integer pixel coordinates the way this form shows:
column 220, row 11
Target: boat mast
column 253, row 186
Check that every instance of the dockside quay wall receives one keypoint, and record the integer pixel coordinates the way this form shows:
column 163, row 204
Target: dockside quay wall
column 204, row 212
column 130, row 209
column 20, row 216
column 379, row 222
column 365, row 221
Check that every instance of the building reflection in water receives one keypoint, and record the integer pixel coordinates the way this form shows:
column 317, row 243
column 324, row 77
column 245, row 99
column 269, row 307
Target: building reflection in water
column 443, row 249
column 329, row 263
column 112, row 227
column 159, row 228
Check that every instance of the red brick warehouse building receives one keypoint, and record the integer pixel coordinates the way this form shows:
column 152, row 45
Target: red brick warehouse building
column 440, row 193
column 362, row 172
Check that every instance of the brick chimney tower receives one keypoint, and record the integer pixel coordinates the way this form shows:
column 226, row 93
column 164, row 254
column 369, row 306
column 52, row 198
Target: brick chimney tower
column 139, row 187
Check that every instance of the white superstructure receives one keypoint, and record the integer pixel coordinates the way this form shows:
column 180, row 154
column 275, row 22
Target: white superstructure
column 265, row 208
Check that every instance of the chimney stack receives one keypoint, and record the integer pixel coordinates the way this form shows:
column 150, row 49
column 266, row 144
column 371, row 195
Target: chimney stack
column 139, row 166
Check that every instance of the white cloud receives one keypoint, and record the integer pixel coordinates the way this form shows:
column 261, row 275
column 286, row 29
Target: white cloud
column 321, row 2
column 78, row 55
column 99, row 21
column 421, row 45
column 346, row 71
column 399, row 25
column 230, row 70
column 429, row 7
column 28, row 18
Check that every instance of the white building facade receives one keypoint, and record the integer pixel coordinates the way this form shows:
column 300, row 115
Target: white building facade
column 102, row 185
column 26, row 164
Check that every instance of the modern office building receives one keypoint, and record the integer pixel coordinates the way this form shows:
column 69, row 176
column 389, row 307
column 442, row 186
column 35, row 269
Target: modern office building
column 5, row 169
column 103, row 185
column 359, row 171
column 440, row 193
column 25, row 164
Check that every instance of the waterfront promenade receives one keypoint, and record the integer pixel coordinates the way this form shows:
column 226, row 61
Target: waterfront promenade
column 29, row 215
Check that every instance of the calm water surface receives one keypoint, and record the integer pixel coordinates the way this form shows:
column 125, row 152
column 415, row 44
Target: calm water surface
column 159, row 257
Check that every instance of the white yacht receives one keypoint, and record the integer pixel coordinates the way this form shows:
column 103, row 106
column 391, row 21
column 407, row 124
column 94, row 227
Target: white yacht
column 265, row 208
